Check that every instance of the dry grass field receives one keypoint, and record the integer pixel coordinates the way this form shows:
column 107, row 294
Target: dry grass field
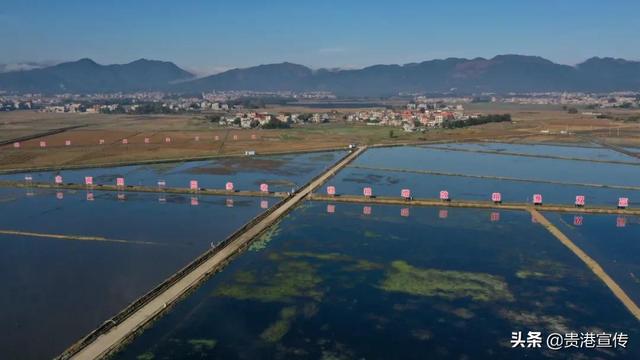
column 530, row 125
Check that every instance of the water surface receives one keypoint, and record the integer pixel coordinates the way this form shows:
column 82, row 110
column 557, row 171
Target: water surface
column 281, row 172
column 417, row 158
column 578, row 152
column 329, row 282
column 57, row 290
column 352, row 180
column 612, row 240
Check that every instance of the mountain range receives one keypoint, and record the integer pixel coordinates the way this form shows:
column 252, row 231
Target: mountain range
column 500, row 74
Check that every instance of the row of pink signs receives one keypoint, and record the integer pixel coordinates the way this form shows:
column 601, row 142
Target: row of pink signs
column 496, row 197
column 125, row 141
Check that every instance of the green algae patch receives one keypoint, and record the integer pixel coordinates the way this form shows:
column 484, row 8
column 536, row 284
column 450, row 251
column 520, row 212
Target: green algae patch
column 525, row 274
column 364, row 265
column 292, row 279
column 543, row 269
column 146, row 356
column 276, row 331
column 357, row 264
column 370, row 234
column 402, row 277
column 202, row 344
column 263, row 241
column 318, row 256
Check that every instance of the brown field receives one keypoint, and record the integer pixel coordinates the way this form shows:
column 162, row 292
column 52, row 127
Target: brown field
column 528, row 123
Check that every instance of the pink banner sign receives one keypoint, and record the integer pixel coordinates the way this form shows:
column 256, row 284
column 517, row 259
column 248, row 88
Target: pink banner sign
column 125, row 141
column 444, row 195
column 16, row 145
column 623, row 202
column 580, row 200
column 43, row 144
column 229, row 186
column 264, row 188
column 120, row 182
column 496, row 197
column 88, row 180
column 405, row 193
column 331, row 190
column 58, row 179
column 193, row 185
column 367, row 192
column 67, row 142
column 537, row 199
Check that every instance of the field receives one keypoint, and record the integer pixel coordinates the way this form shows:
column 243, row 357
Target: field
column 530, row 123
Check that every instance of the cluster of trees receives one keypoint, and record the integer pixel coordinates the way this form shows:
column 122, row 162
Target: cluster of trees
column 483, row 119
column 276, row 124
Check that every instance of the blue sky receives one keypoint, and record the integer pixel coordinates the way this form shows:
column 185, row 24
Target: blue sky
column 209, row 36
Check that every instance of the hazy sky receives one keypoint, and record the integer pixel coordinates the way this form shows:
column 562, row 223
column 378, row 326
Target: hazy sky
column 209, row 36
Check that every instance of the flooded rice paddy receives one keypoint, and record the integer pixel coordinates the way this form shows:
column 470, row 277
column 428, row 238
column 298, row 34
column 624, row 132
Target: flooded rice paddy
column 281, row 172
column 593, row 152
column 474, row 176
column 612, row 240
column 343, row 285
column 511, row 166
column 330, row 280
column 111, row 252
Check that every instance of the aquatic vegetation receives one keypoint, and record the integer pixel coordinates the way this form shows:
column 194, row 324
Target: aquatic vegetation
column 146, row 356
column 402, row 277
column 543, row 269
column 291, row 280
column 357, row 264
column 319, row 256
column 364, row 265
column 262, row 242
column 280, row 328
column 202, row 344
column 525, row 274
column 538, row 321
column 422, row 334
column 371, row 234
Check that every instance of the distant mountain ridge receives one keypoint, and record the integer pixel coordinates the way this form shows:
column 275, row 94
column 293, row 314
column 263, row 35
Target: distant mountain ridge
column 87, row 76
column 500, row 74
